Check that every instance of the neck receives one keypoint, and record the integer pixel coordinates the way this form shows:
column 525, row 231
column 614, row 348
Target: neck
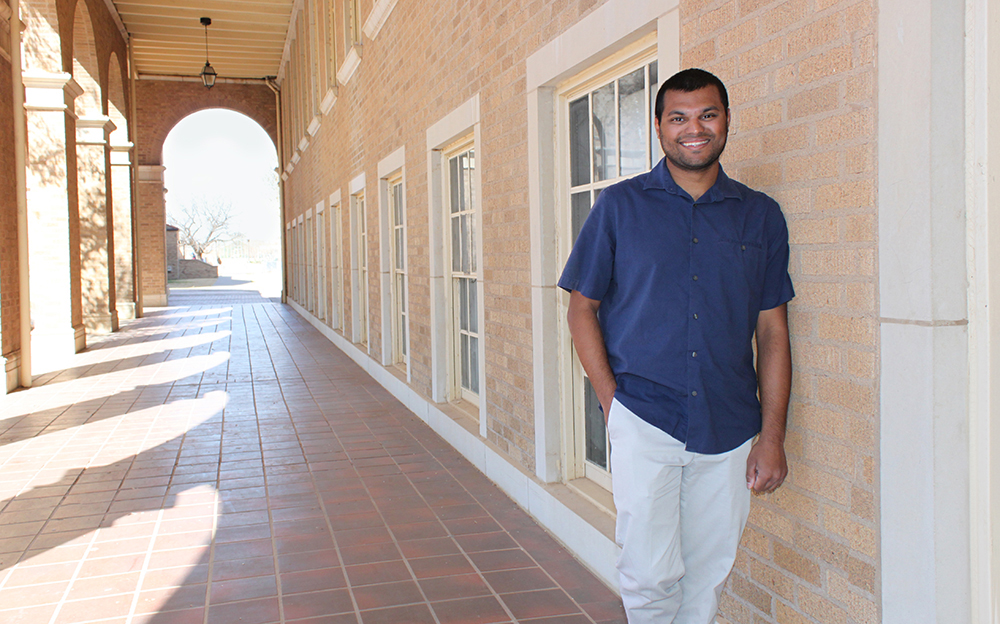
column 696, row 183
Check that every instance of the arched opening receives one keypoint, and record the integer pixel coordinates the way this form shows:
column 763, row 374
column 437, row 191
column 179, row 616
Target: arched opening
column 222, row 196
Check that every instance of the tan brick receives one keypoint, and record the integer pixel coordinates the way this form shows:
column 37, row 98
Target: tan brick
column 801, row 322
column 786, row 614
column 821, row 547
column 861, row 574
column 735, row 609
column 830, row 454
column 761, row 176
column 715, row 19
column 745, row 7
column 862, row 432
column 768, row 520
column 859, row 296
column 802, row 507
column 860, row 158
column 816, row 34
column 750, row 592
column 741, row 148
column 774, row 580
column 813, row 102
column 847, row 394
column 859, row 608
column 863, row 504
column 855, row 194
column 823, row 484
column 859, row 228
column 782, row 16
column 792, row 561
column 860, row 87
column 761, row 56
column 816, row 356
column 689, row 8
column 699, row 56
column 821, row 420
column 689, row 31
column 760, row 116
column 821, row 608
column 846, row 127
column 860, row 363
column 793, row 201
column 865, row 55
column 854, row 329
column 816, row 294
column 783, row 140
column 757, row 542
column 826, row 64
column 737, row 38
column 812, row 167
column 859, row 262
column 748, row 90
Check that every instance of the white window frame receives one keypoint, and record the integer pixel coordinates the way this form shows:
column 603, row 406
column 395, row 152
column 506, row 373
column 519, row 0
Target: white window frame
column 336, row 259
column 359, row 264
column 462, row 122
column 633, row 57
column 609, row 29
column 310, row 262
column 300, row 240
column 322, row 268
column 289, row 268
column 395, row 340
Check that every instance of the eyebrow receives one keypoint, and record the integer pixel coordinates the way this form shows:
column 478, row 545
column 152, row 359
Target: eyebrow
column 704, row 110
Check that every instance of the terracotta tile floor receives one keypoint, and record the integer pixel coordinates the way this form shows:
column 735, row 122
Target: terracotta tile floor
column 225, row 463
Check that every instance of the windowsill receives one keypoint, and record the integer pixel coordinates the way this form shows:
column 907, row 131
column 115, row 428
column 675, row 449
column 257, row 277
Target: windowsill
column 464, row 413
column 350, row 65
column 595, row 494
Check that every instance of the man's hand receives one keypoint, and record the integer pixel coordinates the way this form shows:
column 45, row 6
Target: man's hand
column 589, row 342
column 766, row 466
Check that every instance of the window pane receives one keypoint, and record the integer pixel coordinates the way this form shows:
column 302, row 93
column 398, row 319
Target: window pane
column 581, row 208
column 474, row 364
column 604, row 133
column 463, row 304
column 596, row 442
column 464, row 346
column 454, row 183
column 470, row 164
column 632, row 121
column 473, row 307
column 402, row 336
column 655, row 151
column 579, row 141
column 472, row 243
column 465, row 244
column 456, row 244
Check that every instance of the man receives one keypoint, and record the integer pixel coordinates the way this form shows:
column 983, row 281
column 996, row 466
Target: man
column 673, row 273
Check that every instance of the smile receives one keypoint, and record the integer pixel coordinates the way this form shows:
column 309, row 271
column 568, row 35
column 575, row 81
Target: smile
column 694, row 144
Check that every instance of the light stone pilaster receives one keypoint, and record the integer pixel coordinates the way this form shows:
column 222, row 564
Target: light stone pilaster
column 96, row 224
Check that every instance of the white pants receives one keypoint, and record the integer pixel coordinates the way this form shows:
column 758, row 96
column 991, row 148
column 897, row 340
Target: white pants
column 680, row 518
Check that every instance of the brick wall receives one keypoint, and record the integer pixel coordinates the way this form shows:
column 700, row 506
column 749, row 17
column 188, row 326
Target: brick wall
column 427, row 60
column 801, row 78
column 196, row 269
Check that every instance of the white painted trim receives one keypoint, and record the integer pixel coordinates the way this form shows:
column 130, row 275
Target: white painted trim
column 328, row 101
column 334, row 197
column 610, row 27
column 551, row 505
column 314, row 126
column 377, row 18
column 303, row 143
column 392, row 163
column 350, row 65
column 357, row 184
column 151, row 173
column 453, row 125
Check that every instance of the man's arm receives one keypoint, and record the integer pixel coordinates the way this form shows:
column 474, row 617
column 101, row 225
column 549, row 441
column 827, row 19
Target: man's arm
column 589, row 342
column 766, row 465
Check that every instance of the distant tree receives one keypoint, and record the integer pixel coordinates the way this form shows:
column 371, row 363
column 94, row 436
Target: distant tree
column 202, row 223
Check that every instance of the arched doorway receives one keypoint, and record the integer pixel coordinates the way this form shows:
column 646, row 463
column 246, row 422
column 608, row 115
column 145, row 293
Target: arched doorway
column 222, row 195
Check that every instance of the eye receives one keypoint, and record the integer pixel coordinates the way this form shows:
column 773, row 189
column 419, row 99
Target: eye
column 710, row 115
column 676, row 119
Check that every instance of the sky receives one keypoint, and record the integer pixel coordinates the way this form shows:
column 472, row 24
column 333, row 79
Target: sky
column 220, row 155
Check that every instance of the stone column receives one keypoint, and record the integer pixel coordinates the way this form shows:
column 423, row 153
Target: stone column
column 121, row 195
column 49, row 115
column 97, row 263
column 152, row 225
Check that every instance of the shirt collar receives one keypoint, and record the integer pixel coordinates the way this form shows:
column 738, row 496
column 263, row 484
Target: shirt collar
column 724, row 188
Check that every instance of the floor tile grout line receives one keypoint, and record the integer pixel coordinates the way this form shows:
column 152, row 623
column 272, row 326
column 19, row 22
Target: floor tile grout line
column 326, row 515
column 145, row 567
column 75, row 575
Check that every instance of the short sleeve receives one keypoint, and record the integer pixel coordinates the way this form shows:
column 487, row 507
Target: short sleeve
column 777, row 282
column 591, row 263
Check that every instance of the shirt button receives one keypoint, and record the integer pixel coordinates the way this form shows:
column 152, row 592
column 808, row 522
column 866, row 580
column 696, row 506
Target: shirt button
column 696, row 241
column 694, row 354
column 695, row 278
column 694, row 393
column 743, row 247
column 696, row 316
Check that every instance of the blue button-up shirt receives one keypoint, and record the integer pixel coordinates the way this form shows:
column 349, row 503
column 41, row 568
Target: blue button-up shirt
column 681, row 283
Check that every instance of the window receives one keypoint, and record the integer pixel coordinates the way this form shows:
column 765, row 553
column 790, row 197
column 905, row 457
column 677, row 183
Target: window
column 361, row 259
column 610, row 137
column 463, row 270
column 352, row 23
column 398, row 270
column 310, row 261
column 331, row 44
column 322, row 290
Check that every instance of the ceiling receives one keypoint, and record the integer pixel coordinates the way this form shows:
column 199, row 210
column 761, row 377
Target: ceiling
column 246, row 38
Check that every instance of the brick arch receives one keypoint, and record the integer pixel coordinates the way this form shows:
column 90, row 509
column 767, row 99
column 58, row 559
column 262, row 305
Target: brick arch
column 83, row 61
column 162, row 104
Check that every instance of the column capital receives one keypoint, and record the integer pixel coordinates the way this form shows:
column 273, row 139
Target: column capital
column 151, row 173
column 121, row 153
column 49, row 91
column 94, row 129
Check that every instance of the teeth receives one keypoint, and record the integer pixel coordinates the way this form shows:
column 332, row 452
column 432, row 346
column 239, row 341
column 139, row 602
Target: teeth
column 695, row 143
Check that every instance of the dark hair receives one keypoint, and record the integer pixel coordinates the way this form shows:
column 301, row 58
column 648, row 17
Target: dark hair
column 689, row 80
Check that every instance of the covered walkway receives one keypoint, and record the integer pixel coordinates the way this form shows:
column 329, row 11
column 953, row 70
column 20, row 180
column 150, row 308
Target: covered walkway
column 223, row 462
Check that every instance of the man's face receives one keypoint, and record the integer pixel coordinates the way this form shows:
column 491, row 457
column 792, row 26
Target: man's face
column 693, row 128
